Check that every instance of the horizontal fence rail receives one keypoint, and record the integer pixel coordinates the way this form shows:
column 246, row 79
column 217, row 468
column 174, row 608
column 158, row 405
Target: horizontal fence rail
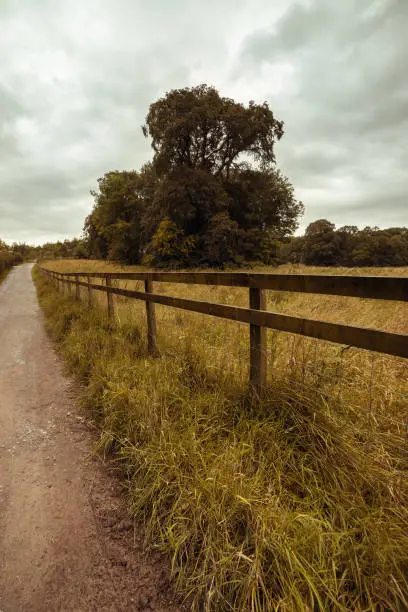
column 372, row 287
column 259, row 319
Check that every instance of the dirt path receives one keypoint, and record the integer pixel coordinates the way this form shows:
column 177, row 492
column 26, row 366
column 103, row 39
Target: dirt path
column 65, row 540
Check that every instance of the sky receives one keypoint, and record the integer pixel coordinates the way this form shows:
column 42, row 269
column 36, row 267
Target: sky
column 77, row 78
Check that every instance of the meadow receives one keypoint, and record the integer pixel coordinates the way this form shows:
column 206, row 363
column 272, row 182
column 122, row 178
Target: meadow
column 299, row 502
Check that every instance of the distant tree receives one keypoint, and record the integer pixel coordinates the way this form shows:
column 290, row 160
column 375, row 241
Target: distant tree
column 375, row 247
column 319, row 228
column 321, row 246
column 25, row 251
column 350, row 230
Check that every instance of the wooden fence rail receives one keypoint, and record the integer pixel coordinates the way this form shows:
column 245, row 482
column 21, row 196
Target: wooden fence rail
column 259, row 319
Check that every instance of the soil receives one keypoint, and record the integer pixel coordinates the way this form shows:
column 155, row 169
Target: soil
column 66, row 541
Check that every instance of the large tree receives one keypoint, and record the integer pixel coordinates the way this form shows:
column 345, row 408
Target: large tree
column 212, row 184
column 323, row 245
column 215, row 165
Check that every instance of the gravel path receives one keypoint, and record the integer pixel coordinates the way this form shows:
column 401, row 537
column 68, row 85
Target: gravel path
column 65, row 540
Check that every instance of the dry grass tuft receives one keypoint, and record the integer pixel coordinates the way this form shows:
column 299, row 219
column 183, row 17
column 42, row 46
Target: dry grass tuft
column 300, row 503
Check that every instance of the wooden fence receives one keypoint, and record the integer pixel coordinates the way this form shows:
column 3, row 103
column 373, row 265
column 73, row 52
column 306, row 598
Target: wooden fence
column 372, row 287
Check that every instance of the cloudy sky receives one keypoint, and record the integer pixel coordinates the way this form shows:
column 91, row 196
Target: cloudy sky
column 76, row 79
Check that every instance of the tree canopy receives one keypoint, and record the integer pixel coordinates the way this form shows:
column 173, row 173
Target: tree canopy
column 324, row 245
column 211, row 194
column 197, row 128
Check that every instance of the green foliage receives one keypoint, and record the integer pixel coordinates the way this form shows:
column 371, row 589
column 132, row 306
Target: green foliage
column 68, row 249
column 263, row 200
column 113, row 227
column 170, row 246
column 200, row 179
column 323, row 245
column 222, row 239
column 190, row 197
column 8, row 258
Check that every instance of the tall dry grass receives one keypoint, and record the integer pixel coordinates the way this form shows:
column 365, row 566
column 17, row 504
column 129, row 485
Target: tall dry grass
column 299, row 503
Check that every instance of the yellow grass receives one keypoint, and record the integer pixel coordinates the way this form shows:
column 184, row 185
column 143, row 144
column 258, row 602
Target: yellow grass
column 362, row 377
column 297, row 504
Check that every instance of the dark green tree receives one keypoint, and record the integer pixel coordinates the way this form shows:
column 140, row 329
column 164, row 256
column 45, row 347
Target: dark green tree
column 215, row 169
column 323, row 245
column 212, row 183
column 113, row 228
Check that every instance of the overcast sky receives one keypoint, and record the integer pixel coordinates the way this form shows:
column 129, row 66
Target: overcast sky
column 77, row 77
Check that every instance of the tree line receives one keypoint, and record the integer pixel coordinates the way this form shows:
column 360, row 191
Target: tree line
column 321, row 245
column 19, row 252
column 212, row 195
column 324, row 245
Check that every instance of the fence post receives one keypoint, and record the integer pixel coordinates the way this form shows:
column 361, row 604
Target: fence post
column 69, row 285
column 110, row 297
column 257, row 340
column 77, row 286
column 151, row 321
column 89, row 292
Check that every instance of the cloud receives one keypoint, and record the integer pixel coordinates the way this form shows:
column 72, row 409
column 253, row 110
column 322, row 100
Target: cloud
column 345, row 105
column 75, row 89
column 78, row 78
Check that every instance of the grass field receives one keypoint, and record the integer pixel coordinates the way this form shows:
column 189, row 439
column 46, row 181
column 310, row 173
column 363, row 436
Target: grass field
column 296, row 504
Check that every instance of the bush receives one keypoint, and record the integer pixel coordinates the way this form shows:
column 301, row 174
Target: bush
column 8, row 260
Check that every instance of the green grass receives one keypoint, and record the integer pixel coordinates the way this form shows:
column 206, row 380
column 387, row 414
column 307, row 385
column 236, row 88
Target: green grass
column 300, row 503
